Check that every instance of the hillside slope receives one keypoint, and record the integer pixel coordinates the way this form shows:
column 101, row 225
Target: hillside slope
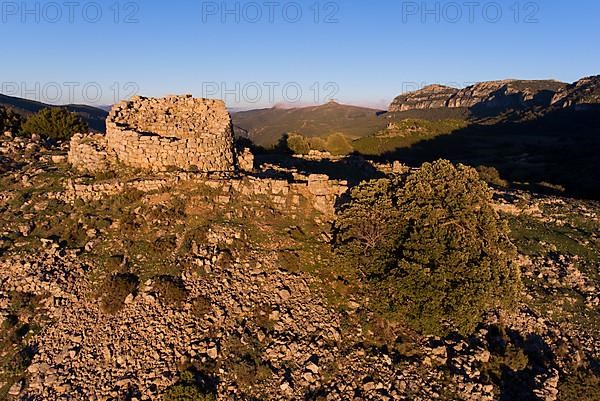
column 266, row 126
column 95, row 117
column 152, row 294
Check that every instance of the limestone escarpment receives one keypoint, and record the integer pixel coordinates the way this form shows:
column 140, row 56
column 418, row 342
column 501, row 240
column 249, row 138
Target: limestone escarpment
column 178, row 132
column 506, row 94
column 430, row 97
column 493, row 95
column 584, row 92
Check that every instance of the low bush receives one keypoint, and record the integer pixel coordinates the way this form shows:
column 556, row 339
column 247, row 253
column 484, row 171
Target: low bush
column 338, row 144
column 512, row 359
column 201, row 305
column 56, row 123
column 298, row 144
column 317, row 143
column 170, row 289
column 115, row 290
column 491, row 176
column 581, row 385
column 189, row 388
column 244, row 359
column 9, row 120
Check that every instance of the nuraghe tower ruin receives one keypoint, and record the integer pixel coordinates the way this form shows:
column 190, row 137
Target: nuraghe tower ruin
column 176, row 132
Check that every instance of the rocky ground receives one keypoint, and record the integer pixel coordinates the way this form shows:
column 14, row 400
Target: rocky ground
column 124, row 297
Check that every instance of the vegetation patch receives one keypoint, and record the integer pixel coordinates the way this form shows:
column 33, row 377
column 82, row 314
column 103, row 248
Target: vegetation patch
column 491, row 176
column 336, row 144
column 190, row 387
column 430, row 245
column 56, row 123
column 245, row 362
column 201, row 305
column 404, row 134
column 23, row 322
column 9, row 120
column 581, row 385
column 170, row 289
column 115, row 291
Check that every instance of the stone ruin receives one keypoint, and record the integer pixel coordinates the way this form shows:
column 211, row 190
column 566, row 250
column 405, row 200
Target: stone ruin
column 181, row 138
column 176, row 132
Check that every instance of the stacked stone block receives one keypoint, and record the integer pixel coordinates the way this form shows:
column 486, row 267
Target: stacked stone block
column 89, row 153
column 318, row 190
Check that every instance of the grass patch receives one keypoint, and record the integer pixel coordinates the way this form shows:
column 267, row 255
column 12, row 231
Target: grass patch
column 534, row 237
column 404, row 134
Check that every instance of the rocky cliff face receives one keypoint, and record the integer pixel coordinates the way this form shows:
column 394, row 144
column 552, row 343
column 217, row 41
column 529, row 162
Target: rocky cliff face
column 584, row 92
column 506, row 94
column 430, row 97
column 493, row 95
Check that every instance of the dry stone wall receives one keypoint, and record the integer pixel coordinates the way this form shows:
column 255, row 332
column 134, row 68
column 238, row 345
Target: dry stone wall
column 89, row 153
column 319, row 190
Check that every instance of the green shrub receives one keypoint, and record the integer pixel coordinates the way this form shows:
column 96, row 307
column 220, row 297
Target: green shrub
column 201, row 305
column 251, row 372
column 245, row 362
column 365, row 229
column 431, row 247
column 298, row 144
column 188, row 389
column 9, row 120
column 581, row 385
column 512, row 359
column 491, row 176
column 170, row 289
column 55, row 123
column 317, row 143
column 115, row 290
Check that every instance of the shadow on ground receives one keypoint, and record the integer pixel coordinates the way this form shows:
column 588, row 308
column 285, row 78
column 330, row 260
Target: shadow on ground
column 554, row 153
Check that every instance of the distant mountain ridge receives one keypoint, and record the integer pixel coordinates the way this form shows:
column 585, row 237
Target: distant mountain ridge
column 95, row 117
column 495, row 101
column 485, row 97
column 582, row 93
column 434, row 102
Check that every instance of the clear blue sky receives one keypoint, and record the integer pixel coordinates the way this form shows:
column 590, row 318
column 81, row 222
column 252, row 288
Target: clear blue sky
column 367, row 51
